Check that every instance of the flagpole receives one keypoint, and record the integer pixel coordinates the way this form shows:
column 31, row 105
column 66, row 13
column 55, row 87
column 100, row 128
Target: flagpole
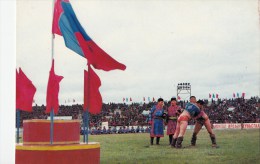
column 52, row 56
column 86, row 113
column 17, row 124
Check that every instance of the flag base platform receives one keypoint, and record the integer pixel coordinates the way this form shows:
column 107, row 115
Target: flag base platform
column 58, row 154
column 65, row 148
column 37, row 131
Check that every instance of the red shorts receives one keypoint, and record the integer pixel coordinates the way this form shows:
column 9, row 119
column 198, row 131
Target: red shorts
column 183, row 118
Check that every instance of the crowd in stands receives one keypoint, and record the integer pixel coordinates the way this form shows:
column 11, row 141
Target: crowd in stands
column 115, row 130
column 125, row 115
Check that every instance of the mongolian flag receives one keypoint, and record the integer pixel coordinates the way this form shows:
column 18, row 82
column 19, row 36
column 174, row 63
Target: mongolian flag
column 25, row 91
column 92, row 96
column 234, row 95
column 216, row 95
column 66, row 24
column 209, row 95
column 53, row 88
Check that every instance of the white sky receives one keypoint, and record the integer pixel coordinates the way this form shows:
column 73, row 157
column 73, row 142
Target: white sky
column 214, row 45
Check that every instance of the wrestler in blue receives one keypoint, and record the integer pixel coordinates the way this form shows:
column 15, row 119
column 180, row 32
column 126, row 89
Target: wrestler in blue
column 191, row 111
column 203, row 119
column 156, row 117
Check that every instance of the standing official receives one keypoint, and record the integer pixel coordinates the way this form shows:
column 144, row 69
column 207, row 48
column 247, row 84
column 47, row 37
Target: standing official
column 173, row 112
column 156, row 116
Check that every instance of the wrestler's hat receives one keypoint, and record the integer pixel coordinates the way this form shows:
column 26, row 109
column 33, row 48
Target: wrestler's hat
column 201, row 102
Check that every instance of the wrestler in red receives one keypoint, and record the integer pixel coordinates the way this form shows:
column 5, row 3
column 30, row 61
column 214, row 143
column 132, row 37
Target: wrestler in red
column 191, row 111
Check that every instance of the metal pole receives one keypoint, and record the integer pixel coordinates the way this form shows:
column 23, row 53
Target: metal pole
column 51, row 130
column 86, row 113
column 84, row 126
column 17, row 124
column 86, row 119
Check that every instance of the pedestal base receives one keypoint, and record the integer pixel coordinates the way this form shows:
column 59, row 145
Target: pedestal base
column 37, row 132
column 58, row 154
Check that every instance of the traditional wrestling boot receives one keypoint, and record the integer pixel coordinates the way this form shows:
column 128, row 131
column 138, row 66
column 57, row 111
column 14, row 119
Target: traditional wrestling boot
column 151, row 141
column 157, row 140
column 193, row 139
column 173, row 144
column 213, row 140
column 179, row 141
column 170, row 139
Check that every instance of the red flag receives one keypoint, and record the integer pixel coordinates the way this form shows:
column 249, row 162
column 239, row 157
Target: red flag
column 234, row 95
column 123, row 99
column 209, row 95
column 216, row 95
column 52, row 100
column 243, row 95
column 130, row 99
column 65, row 23
column 25, row 91
column 92, row 96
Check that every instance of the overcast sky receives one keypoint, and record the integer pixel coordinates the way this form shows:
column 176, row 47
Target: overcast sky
column 214, row 45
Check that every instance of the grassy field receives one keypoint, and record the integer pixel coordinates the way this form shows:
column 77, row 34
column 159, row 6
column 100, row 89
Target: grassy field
column 236, row 146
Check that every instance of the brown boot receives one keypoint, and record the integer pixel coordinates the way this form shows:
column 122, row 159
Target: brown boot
column 213, row 140
column 173, row 144
column 179, row 142
column 193, row 139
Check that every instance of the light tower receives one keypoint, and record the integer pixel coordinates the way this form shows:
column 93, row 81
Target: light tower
column 183, row 89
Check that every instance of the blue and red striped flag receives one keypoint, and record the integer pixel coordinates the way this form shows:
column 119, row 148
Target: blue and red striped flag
column 66, row 24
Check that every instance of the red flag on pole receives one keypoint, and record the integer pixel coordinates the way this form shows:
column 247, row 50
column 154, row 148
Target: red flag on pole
column 25, row 91
column 52, row 100
column 209, row 95
column 65, row 23
column 243, row 95
column 130, row 99
column 216, row 95
column 92, row 96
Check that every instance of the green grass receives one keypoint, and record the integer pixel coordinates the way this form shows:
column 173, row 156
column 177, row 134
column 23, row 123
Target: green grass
column 236, row 146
